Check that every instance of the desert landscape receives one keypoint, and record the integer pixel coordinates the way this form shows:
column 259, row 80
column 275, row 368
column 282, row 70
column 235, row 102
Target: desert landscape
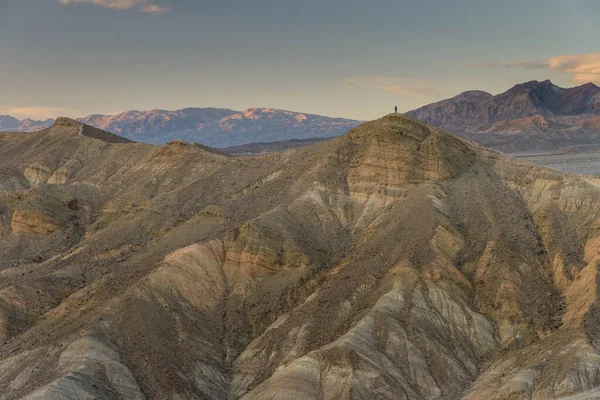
column 396, row 261
column 270, row 200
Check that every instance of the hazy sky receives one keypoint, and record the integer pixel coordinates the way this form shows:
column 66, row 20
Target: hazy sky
column 351, row 58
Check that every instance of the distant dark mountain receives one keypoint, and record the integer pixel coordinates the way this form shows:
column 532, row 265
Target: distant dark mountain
column 530, row 116
column 8, row 123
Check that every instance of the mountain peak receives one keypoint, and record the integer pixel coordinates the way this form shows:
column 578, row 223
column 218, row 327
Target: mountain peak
column 473, row 95
column 400, row 127
column 65, row 121
column 397, row 149
column 546, row 82
column 479, row 116
column 545, row 85
column 590, row 85
column 7, row 122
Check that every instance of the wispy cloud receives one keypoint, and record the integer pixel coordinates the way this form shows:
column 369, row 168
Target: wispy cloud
column 117, row 4
column 513, row 64
column 389, row 85
column 154, row 9
column 582, row 68
column 144, row 6
column 43, row 113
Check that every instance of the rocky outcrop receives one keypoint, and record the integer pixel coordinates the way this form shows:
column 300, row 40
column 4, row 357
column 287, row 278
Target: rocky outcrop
column 64, row 174
column 38, row 172
column 39, row 213
column 27, row 220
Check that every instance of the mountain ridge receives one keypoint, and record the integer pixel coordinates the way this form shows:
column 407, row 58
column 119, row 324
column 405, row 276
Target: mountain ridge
column 568, row 116
column 9, row 123
column 213, row 127
column 530, row 116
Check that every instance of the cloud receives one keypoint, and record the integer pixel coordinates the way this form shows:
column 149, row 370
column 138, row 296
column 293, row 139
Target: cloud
column 118, row 4
column 141, row 5
column 401, row 89
column 582, row 68
column 154, row 9
column 43, row 113
column 514, row 64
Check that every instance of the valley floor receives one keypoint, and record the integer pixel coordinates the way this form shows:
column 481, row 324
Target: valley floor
column 582, row 164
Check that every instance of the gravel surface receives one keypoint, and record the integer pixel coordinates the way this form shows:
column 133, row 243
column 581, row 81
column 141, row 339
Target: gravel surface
column 584, row 164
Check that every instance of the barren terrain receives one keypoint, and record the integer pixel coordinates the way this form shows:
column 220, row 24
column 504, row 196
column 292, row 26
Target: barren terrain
column 394, row 262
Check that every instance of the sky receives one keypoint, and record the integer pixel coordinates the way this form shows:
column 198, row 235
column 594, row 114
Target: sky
column 341, row 58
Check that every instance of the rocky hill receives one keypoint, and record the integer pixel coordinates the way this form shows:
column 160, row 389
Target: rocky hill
column 394, row 262
column 530, row 116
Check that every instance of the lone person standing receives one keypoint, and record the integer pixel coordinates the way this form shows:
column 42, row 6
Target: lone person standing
column 395, row 109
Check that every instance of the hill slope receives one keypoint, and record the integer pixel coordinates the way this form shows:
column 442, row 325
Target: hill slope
column 252, row 149
column 530, row 116
column 396, row 261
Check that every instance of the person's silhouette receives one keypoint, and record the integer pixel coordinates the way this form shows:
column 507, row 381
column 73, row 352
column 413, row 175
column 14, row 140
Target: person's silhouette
column 395, row 109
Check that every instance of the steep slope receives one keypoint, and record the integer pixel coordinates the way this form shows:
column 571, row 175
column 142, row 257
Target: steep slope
column 252, row 149
column 530, row 116
column 578, row 100
column 394, row 262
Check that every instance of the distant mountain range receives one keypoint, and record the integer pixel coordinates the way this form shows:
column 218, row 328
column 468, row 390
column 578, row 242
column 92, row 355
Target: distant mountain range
column 11, row 124
column 530, row 116
column 209, row 126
